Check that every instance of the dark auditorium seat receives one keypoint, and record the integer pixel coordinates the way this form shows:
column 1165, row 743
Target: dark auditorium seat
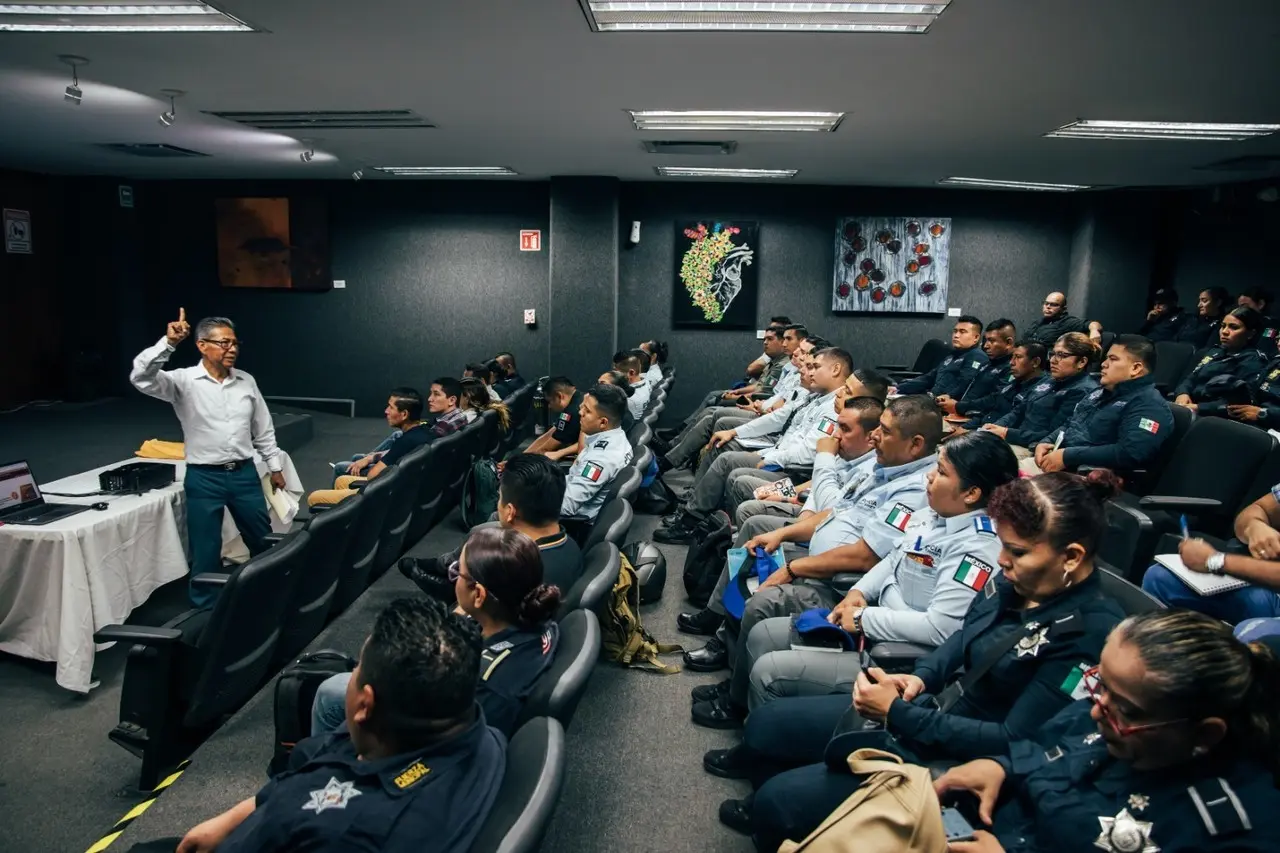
column 1132, row 599
column 448, row 462
column 559, row 690
column 642, row 462
column 1173, row 360
column 600, row 567
column 626, row 485
column 1209, row 475
column 329, row 534
column 929, row 357
column 399, row 515
column 362, row 549
column 428, row 500
column 612, row 525
column 183, row 678
column 640, row 435
column 530, row 790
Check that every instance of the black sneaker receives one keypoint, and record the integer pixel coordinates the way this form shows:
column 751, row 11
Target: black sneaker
column 680, row 532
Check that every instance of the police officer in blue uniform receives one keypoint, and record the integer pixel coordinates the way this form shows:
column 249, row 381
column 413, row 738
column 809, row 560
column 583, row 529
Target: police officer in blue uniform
column 1026, row 371
column 1236, row 357
column 417, row 769
column 1121, row 425
column 1014, row 664
column 1177, row 752
column 1166, row 319
column 1202, row 330
column 953, row 376
column 986, row 391
column 1264, row 408
column 1259, row 299
column 1048, row 405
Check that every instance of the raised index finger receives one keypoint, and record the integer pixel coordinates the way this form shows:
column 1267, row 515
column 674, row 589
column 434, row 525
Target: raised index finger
column 182, row 315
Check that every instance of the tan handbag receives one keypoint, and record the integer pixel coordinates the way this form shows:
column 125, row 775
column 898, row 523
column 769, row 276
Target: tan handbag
column 895, row 811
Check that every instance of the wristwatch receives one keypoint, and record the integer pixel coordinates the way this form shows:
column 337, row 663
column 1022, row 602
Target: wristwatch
column 856, row 615
column 1216, row 564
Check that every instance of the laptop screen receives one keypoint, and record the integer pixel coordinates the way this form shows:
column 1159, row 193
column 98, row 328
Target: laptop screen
column 17, row 486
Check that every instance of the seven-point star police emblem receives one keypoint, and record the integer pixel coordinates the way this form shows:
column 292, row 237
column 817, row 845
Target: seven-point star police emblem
column 335, row 795
column 1125, row 834
column 1031, row 643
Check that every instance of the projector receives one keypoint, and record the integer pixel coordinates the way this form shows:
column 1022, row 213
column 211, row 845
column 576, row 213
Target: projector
column 136, row 477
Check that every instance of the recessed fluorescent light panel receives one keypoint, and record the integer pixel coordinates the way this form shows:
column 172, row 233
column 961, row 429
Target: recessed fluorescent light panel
column 734, row 120
column 446, row 171
column 820, row 16
column 699, row 172
column 86, row 16
column 991, row 184
column 1163, row 130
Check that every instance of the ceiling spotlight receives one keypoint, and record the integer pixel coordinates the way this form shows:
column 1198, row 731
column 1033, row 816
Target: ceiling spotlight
column 357, row 174
column 307, row 155
column 168, row 118
column 73, row 94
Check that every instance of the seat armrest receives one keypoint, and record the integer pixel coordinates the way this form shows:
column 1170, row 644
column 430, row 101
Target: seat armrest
column 842, row 582
column 1175, row 502
column 142, row 634
column 274, row 538
column 892, row 368
column 898, row 651
column 904, row 374
column 218, row 579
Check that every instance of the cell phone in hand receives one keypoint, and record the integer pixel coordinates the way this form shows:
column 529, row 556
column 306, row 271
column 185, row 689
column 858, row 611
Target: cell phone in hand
column 955, row 826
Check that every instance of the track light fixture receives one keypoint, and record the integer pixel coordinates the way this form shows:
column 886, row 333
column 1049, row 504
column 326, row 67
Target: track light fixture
column 168, row 118
column 73, row 94
column 306, row 156
column 357, row 174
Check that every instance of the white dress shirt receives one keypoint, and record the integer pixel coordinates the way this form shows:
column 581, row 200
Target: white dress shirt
column 221, row 421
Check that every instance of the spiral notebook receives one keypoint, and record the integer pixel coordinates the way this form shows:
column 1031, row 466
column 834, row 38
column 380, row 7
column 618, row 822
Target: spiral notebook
column 1202, row 583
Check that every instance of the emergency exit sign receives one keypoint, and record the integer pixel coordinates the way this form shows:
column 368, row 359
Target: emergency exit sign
column 530, row 241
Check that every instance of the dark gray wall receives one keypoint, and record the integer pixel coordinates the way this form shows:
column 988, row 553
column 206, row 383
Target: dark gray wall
column 584, row 277
column 1008, row 251
column 435, row 277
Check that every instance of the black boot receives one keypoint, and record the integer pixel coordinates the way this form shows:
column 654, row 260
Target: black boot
column 711, row 657
column 664, row 465
column 680, row 532
column 703, row 623
column 736, row 814
column 428, row 576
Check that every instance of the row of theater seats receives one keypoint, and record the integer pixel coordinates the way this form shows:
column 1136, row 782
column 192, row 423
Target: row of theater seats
column 536, row 754
column 183, row 678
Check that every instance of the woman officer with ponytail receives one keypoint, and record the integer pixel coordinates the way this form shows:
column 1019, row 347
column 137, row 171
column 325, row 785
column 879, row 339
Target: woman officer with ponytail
column 1178, row 751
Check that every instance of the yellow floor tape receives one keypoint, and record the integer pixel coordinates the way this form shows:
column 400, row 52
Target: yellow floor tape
column 134, row 813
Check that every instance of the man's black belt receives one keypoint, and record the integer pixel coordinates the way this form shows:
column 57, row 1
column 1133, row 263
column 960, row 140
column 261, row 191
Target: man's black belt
column 223, row 466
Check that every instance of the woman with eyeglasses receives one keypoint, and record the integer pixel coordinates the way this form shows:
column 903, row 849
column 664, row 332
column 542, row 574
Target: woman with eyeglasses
column 1178, row 750
column 1048, row 405
column 1014, row 663
column 498, row 582
column 1226, row 369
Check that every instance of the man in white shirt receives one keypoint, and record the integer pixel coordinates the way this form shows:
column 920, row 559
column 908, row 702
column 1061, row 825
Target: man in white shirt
column 631, row 362
column 224, row 419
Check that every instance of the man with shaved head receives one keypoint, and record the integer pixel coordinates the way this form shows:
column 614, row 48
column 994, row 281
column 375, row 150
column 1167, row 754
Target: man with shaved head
column 1055, row 322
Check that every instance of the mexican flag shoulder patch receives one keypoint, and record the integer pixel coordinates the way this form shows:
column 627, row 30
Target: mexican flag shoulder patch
column 592, row 471
column 1149, row 426
column 1075, row 684
column 973, row 572
column 899, row 516
column 827, row 426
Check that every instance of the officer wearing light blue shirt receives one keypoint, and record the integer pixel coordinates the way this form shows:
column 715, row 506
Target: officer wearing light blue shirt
column 865, row 525
column 605, row 451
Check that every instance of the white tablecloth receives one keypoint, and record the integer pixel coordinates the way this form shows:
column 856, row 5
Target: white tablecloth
column 61, row 582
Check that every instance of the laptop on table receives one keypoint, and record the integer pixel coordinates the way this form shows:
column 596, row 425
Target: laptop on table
column 21, row 501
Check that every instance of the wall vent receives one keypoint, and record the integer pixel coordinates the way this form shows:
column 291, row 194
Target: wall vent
column 151, row 149
column 327, row 119
column 654, row 146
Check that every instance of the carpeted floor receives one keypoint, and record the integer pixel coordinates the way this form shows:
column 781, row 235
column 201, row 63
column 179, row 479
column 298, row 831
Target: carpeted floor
column 634, row 780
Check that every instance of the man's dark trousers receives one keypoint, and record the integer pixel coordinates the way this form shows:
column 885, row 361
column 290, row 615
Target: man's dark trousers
column 209, row 491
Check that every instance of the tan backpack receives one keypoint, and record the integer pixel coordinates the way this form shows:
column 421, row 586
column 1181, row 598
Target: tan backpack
column 895, row 811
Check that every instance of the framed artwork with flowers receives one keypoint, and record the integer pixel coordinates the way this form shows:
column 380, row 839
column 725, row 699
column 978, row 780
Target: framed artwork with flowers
column 716, row 283
column 892, row 264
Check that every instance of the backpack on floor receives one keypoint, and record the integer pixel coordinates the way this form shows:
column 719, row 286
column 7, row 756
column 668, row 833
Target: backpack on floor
column 656, row 498
column 479, row 493
column 705, row 559
column 625, row 641
column 295, row 691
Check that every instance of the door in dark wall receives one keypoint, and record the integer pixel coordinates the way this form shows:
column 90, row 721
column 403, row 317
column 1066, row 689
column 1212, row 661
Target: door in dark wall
column 434, row 278
column 1007, row 251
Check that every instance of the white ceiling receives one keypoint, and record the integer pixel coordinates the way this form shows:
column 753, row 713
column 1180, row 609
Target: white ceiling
column 526, row 84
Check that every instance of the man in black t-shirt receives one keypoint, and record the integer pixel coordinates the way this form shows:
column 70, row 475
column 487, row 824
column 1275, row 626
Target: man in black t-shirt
column 414, row 433
column 563, row 402
column 529, row 499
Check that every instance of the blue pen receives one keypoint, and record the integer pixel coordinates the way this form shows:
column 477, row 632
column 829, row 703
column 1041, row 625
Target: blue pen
column 919, row 540
column 1186, row 534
